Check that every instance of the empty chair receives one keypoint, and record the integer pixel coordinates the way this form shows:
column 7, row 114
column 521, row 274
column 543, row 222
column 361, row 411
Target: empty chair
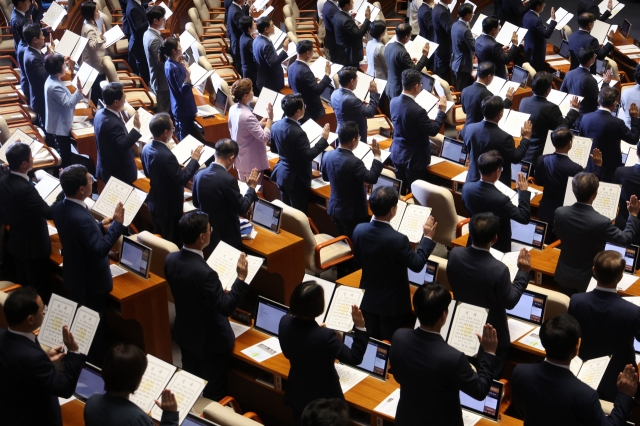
column 227, row 413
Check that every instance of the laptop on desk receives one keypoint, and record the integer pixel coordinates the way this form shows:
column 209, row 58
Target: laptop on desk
column 135, row 258
column 489, row 407
column 194, row 420
column 387, row 181
column 426, row 275
column 267, row 215
column 454, row 151
column 528, row 235
column 90, row 382
column 268, row 315
column 326, row 95
column 520, row 75
column 530, row 307
column 629, row 254
column 376, row 358
column 564, row 50
column 221, row 104
column 521, row 167
column 427, row 82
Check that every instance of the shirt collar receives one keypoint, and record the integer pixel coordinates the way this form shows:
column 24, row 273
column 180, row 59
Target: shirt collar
column 561, row 153
column 610, row 290
column 489, row 35
column 29, row 336
column 464, row 22
column 21, row 175
column 409, row 96
column 113, row 111
column 82, row 203
column 301, row 61
column 198, row 252
column 557, row 365
column 605, row 109
column 20, row 12
column 237, row 5
column 479, row 82
column 428, row 331
column 479, row 248
column 537, row 14
column 585, row 68
column 348, row 90
column 138, row 1
column 163, row 143
column 382, row 221
column 155, row 31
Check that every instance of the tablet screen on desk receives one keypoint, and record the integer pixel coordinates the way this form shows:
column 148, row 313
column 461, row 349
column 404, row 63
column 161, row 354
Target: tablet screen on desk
column 489, row 406
column 193, row 420
column 523, row 167
column 530, row 234
column 427, row 82
column 564, row 50
column 629, row 254
column 135, row 257
column 376, row 357
column 221, row 102
column 454, row 150
column 530, row 307
column 520, row 75
column 89, row 383
column 326, row 95
column 625, row 28
column 426, row 275
column 268, row 315
column 267, row 215
column 387, row 181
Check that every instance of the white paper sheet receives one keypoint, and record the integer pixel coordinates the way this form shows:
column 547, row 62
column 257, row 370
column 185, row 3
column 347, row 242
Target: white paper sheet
column 167, row 12
column 349, row 376
column 360, row 13
column 238, row 329
column 562, row 18
column 46, row 185
column 114, row 192
column 469, row 418
column 17, row 136
column 113, row 35
column 511, row 261
column 533, row 339
column 395, row 222
column 496, row 86
column 627, row 281
column 54, row 15
column 117, row 270
column 339, row 313
column 556, row 96
column 504, row 36
column 369, row 157
column 389, row 405
column 513, row 121
column 606, row 202
column 517, row 329
column 476, row 30
column 224, row 261
column 155, row 379
column 267, row 12
column 277, row 38
column 187, row 388
column 145, row 119
column 182, row 151
column 84, row 328
column 412, row 222
column 268, row 96
column 617, row 7
column 186, row 40
column 328, row 288
column 59, row 313
column 51, row 230
column 414, row 47
column 264, row 350
column 132, row 205
column 592, row 371
column 600, row 30
column 467, row 321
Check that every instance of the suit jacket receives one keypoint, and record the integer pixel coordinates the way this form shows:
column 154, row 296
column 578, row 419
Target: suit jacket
column 329, row 10
column 183, row 104
column 478, row 278
column 249, row 67
column 398, row 60
column 270, row 73
column 549, row 395
column 348, row 107
column 545, row 116
column 167, row 179
column 471, row 100
column 17, row 22
column 152, row 42
column 302, row 81
column 233, row 23
column 60, row 106
column 36, row 76
column 85, row 249
column 138, row 24
column 592, row 7
column 629, row 178
column 411, row 148
column 420, row 357
column 489, row 50
column 513, row 11
column 607, row 131
column 202, row 306
column 385, row 254
column 484, row 197
column 609, row 325
column 464, row 46
column 106, row 409
column 347, row 175
column 584, row 232
column 583, row 39
column 425, row 21
column 31, row 384
column 580, row 82
column 312, row 351
column 442, row 23
column 26, row 212
column 94, row 52
column 552, row 171
column 486, row 136
column 115, row 157
column 349, row 38
column 535, row 41
column 216, row 192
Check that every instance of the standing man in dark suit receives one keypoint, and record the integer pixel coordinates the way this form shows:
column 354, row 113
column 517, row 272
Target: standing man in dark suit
column 609, row 323
column 472, row 96
column 33, row 64
column 484, row 197
column 425, row 23
column 478, row 278
column 513, row 11
column 114, row 142
column 486, row 136
column 442, row 23
column 584, row 232
column 202, row 327
column 580, row 82
column 26, row 213
column 249, row 67
column 411, row 147
column 346, row 104
column 152, row 42
column 31, row 384
column 302, row 81
column 489, row 50
column 398, row 60
column 292, row 174
column 216, row 192
column 535, row 41
column 464, row 46
column 589, row 6
column 385, row 254
column 629, row 178
column 348, row 35
column 422, row 356
column 167, row 178
column 237, row 10
column 548, row 393
column 20, row 16
column 138, row 24
column 269, row 63
column 545, row 115
column 582, row 39
column 329, row 10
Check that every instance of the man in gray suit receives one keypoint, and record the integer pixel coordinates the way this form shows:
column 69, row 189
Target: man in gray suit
column 399, row 60
column 584, row 232
column 152, row 42
column 464, row 45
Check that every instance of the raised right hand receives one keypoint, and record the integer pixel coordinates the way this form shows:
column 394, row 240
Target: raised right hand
column 425, row 49
column 596, row 156
column 489, row 339
column 243, row 267
column 514, row 38
column 442, row 105
column 197, row 153
column 118, row 213
column 78, row 84
column 327, row 68
column 367, row 13
column 285, row 44
column 574, row 102
column 607, row 76
column 373, row 87
column 524, row 260
column 526, row 130
column 325, row 131
column 628, row 379
column 356, row 315
column 375, row 148
column 633, row 111
column 136, row 120
column 510, row 92
column 169, row 402
column 252, row 179
column 633, row 205
column 270, row 111
column 429, row 227
column 68, row 340
column 610, row 5
column 521, row 182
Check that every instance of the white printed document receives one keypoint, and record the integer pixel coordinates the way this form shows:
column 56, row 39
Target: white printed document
column 389, row 405
column 20, row 136
column 532, row 339
column 154, row 381
column 268, row 96
column 54, row 15
column 186, row 40
column 362, row 9
column 182, row 151
column 580, row 150
column 509, row 259
column 187, row 388
column 87, row 75
column 410, row 219
column 277, row 38
column 601, row 29
column 318, row 67
column 562, row 18
column 71, row 44
column 617, row 7
column 145, row 119
column 362, row 88
column 414, row 47
column 116, row 191
column 224, row 260
column 264, row 350
column 505, row 34
column 167, row 12
column 349, row 376
column 606, row 202
column 338, row 315
column 476, row 30
column 199, row 75
column 314, row 132
column 468, row 320
column 47, row 185
column 517, row 329
column 113, row 35
column 512, row 122
column 431, row 103
column 590, row 372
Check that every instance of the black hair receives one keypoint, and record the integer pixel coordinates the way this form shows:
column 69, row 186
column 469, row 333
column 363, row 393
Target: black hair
column 382, row 199
column 20, row 303
column 535, row 3
column 541, row 82
column 326, row 412
column 16, row 154
column 191, row 225
column 489, row 24
column 246, row 23
column 483, row 228
column 155, row 13
column 492, row 106
column 73, row 178
column 608, row 267
column 169, row 46
column 53, row 63
column 123, row 368
column 403, row 30
column 585, row 19
column 88, row 10
column 16, row 2
column 585, row 55
column 226, row 147
column 348, row 132
column 465, row 9
column 31, row 31
column 307, row 300
column 346, row 74
column 112, row 92
column 263, row 23
column 608, row 97
column 561, row 137
column 430, row 301
column 584, row 185
column 489, row 162
column 485, row 69
column 377, row 28
column 160, row 123
column 410, row 78
column 559, row 336
column 291, row 104
column 304, row 46
column 343, row 3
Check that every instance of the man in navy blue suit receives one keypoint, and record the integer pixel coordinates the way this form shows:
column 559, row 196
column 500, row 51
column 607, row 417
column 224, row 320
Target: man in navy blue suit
column 33, row 63
column 398, row 60
column 609, row 323
column 582, row 39
column 20, row 16
column 472, row 96
column 329, row 10
column 249, row 67
column 535, row 41
column 167, row 178
column 346, row 104
column 629, row 178
column 114, row 142
column 269, row 63
column 385, row 254
column 138, row 24
column 607, row 131
column 464, row 46
column 589, row 6
column 203, row 306
column 292, row 174
column 442, row 23
column 28, row 370
column 580, row 82
column 411, row 148
column 548, row 393
column 302, row 81
column 513, row 11
column 489, row 50
column 237, row 10
column 348, row 35
column 425, row 23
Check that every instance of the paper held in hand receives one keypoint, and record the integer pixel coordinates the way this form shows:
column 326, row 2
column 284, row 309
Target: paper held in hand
column 224, row 260
column 338, row 314
column 410, row 219
column 153, row 382
column 71, row 44
column 20, row 136
column 590, row 372
column 182, row 151
column 49, row 188
column 505, row 34
column 463, row 322
column 509, row 259
column 476, row 30
column 187, row 388
column 268, row 96
column 414, row 47
column 562, row 18
column 606, row 202
column 116, row 191
column 145, row 119
column 318, row 67
column 616, row 7
column 186, row 40
column 54, row 15
column 580, row 149
column 512, row 122
column 167, row 12
column 113, row 35
column 87, row 75
column 362, row 9
column 314, row 132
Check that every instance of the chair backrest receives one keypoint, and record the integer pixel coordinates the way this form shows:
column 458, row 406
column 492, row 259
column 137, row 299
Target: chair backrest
column 195, row 19
column 290, row 24
column 5, row 133
column 379, row 16
column 110, row 70
column 225, row 416
column 388, row 172
column 202, row 8
column 293, row 38
column 557, row 303
column 443, row 209
column 441, row 275
column 567, row 31
column 160, row 249
column 214, row 3
column 297, row 223
column 532, row 71
column 191, row 27
column 287, row 11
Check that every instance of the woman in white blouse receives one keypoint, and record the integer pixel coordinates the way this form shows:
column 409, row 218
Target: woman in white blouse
column 376, row 64
column 95, row 50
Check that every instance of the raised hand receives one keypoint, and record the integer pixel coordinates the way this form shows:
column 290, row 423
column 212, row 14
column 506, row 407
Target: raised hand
column 136, row 120
column 489, row 339
column 633, row 206
column 524, row 260
column 118, row 213
column 442, row 104
column 510, row 92
column 325, row 131
column 574, row 102
column 68, row 340
column 607, row 76
column 429, row 227
column 525, row 132
column 168, row 401
column 521, row 183
column 197, row 153
column 373, row 87
column 270, row 111
column 514, row 39
column 425, row 49
column 553, row 13
column 375, row 148
column 252, row 179
column 243, row 267
column 628, row 379
column 633, row 111
column 596, row 156
column 367, row 13
column 356, row 315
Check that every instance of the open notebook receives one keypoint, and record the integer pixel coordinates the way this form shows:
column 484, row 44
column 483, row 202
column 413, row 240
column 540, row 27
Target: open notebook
column 20, row 136
column 606, row 202
column 224, row 260
column 590, row 372
column 580, row 150
column 116, row 191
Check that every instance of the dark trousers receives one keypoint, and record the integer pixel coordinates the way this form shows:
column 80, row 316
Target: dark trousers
column 346, row 227
column 409, row 176
column 502, row 354
column 183, row 127
column 97, row 303
column 96, row 90
column 167, row 227
column 137, row 60
column 442, row 67
column 35, row 273
column 237, row 62
column 64, row 148
column 253, row 76
column 382, row 327
column 463, row 79
column 298, row 197
column 213, row 369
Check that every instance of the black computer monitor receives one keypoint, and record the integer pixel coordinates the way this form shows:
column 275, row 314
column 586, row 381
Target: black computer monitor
column 428, row 82
column 520, row 75
column 564, row 50
column 268, row 314
column 625, row 28
column 387, row 181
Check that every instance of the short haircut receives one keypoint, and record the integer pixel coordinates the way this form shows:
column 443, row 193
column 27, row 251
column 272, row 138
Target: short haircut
column 225, row 148
column 53, row 63
column 636, row 74
column 88, row 10
column 492, row 107
column 410, row 78
column 382, row 199
column 191, row 225
column 16, row 154
column 169, row 45
column 483, row 228
column 541, row 82
column 348, row 132
column 291, row 104
column 608, row 267
column 246, row 23
column 607, row 96
column 485, row 69
column 307, row 300
column 561, row 137
column 263, row 23
column 403, row 30
column 489, row 162
column 585, row 19
column 240, row 88
column 585, row 55
column 160, row 123
column 489, row 24
column 430, row 301
column 73, row 178
column 343, row 3
column 584, row 185
column 31, row 31
column 535, row 3
column 326, row 412
column 123, row 368
column 155, row 13
column 304, row 46
column 16, row 2
column 559, row 336
column 20, row 303
column 112, row 92
column 465, row 9
column 377, row 28
column 346, row 74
